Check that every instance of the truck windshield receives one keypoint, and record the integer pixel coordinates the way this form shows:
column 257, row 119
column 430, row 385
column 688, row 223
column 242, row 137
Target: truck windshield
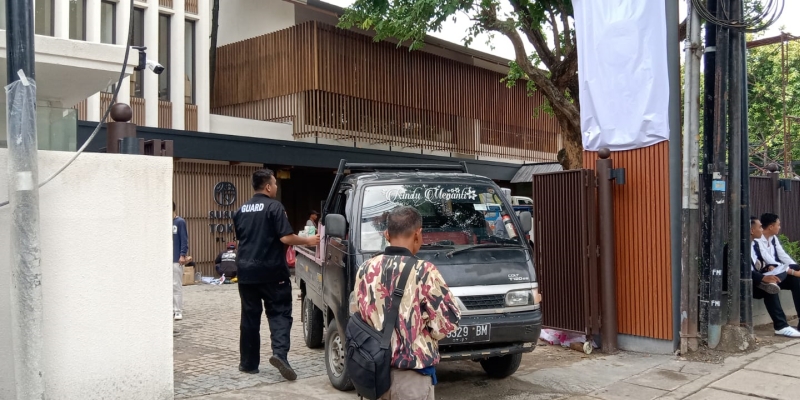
column 457, row 215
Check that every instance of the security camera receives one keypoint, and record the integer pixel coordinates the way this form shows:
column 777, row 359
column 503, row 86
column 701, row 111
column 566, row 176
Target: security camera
column 155, row 67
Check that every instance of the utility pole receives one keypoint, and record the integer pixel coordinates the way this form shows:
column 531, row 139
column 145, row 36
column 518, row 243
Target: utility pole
column 709, row 84
column 23, row 171
column 735, row 158
column 691, row 184
column 719, row 183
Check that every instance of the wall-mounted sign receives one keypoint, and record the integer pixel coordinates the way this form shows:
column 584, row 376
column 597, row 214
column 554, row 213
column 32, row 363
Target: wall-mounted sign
column 224, row 195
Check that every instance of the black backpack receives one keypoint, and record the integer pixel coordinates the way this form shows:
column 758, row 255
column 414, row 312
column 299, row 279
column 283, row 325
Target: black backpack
column 369, row 352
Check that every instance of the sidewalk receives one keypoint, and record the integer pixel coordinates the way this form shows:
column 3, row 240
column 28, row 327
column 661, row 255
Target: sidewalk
column 206, row 357
column 772, row 372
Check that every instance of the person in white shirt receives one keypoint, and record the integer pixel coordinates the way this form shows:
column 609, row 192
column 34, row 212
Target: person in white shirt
column 766, row 285
column 771, row 245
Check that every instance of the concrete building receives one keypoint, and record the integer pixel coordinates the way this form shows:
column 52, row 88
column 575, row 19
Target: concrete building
column 175, row 33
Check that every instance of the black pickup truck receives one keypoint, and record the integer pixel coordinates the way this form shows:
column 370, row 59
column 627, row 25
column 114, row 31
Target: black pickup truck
column 485, row 259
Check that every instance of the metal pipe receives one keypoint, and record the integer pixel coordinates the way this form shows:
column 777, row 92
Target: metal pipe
column 718, row 186
column 735, row 158
column 605, row 206
column 23, row 171
column 709, row 60
column 674, row 74
column 746, row 287
column 691, row 184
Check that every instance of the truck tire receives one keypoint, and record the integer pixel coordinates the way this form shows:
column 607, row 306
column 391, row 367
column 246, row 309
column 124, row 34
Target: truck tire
column 312, row 324
column 501, row 367
column 334, row 359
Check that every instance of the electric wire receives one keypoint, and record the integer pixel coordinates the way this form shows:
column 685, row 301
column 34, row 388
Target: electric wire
column 108, row 109
column 758, row 17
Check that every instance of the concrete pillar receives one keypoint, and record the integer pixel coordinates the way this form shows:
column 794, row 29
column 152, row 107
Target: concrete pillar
column 177, row 64
column 61, row 19
column 93, row 35
column 151, row 79
column 203, row 84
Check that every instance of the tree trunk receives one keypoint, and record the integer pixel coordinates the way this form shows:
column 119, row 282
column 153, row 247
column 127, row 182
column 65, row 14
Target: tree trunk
column 213, row 50
column 571, row 156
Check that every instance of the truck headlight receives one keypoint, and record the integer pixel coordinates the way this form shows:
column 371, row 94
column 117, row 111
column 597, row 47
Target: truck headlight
column 519, row 298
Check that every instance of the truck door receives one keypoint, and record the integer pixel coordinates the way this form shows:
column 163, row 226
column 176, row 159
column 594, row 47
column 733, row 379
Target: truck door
column 335, row 274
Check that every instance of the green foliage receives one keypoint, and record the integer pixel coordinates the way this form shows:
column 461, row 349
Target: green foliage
column 792, row 248
column 765, row 113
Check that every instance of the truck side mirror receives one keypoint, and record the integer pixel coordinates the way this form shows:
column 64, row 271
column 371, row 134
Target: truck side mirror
column 335, row 226
column 526, row 219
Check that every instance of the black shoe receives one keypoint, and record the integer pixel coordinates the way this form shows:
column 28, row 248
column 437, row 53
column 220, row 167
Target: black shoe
column 283, row 367
column 250, row 371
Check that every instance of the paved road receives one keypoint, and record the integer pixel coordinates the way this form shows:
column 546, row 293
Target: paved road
column 207, row 354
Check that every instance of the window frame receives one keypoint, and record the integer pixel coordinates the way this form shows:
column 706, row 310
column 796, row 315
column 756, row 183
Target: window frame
column 113, row 5
column 166, row 63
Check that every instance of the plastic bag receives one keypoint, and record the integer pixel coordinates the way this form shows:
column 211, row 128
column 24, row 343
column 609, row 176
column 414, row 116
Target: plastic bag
column 291, row 258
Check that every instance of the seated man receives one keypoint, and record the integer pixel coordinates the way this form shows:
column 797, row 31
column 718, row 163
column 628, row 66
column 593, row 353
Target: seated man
column 770, row 244
column 768, row 286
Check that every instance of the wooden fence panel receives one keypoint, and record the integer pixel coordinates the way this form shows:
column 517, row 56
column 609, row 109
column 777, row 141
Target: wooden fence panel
column 642, row 241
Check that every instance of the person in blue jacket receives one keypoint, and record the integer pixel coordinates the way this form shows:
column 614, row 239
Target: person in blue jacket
column 180, row 247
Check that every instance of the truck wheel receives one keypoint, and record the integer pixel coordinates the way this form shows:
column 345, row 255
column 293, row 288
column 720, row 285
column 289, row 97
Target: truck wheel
column 334, row 359
column 501, row 367
column 312, row 324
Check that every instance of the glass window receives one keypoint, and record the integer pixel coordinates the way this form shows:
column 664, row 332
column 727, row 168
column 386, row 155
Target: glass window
column 189, row 53
column 137, row 79
column 43, row 17
column 163, row 56
column 455, row 215
column 77, row 19
column 108, row 22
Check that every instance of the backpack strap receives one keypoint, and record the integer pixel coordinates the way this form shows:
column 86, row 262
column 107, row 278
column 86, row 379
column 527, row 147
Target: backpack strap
column 390, row 320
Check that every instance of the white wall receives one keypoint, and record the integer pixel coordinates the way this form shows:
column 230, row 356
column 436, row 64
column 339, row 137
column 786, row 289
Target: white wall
column 245, row 19
column 106, row 278
column 250, row 127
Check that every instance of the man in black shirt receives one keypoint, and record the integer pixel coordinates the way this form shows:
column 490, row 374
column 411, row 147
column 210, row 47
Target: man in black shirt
column 263, row 229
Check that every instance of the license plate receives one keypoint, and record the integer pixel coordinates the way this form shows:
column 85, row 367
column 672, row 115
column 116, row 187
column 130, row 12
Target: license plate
column 468, row 334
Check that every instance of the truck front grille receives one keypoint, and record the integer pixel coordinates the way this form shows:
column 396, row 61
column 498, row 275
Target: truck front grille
column 486, row 302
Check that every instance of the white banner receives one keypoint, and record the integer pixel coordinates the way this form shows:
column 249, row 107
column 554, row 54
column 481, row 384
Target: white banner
column 622, row 70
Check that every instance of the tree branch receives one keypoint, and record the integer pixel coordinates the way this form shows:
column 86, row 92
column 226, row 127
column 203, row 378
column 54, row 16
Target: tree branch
column 556, row 34
column 533, row 33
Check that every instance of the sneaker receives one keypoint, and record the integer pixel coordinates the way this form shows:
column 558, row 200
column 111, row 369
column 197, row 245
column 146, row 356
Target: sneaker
column 177, row 316
column 770, row 288
column 283, row 367
column 788, row 332
column 248, row 371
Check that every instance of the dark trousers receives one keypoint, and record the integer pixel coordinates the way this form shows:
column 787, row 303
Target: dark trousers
column 773, row 302
column 277, row 301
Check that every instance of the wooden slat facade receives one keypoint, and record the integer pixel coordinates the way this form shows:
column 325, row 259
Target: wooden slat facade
column 335, row 84
column 190, row 117
column 82, row 110
column 190, row 6
column 165, row 3
column 193, row 190
column 642, row 241
column 138, row 108
column 164, row 114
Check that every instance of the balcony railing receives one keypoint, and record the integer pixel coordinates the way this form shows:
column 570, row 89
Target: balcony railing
column 165, row 114
column 165, row 3
column 190, row 116
column 191, row 6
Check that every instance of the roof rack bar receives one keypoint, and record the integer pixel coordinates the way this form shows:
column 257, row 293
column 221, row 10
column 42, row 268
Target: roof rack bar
column 461, row 167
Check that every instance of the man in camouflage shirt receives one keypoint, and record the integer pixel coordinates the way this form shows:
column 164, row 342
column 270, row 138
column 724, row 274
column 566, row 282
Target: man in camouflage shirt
column 428, row 311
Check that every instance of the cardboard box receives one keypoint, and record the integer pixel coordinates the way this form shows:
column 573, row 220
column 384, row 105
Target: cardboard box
column 188, row 276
